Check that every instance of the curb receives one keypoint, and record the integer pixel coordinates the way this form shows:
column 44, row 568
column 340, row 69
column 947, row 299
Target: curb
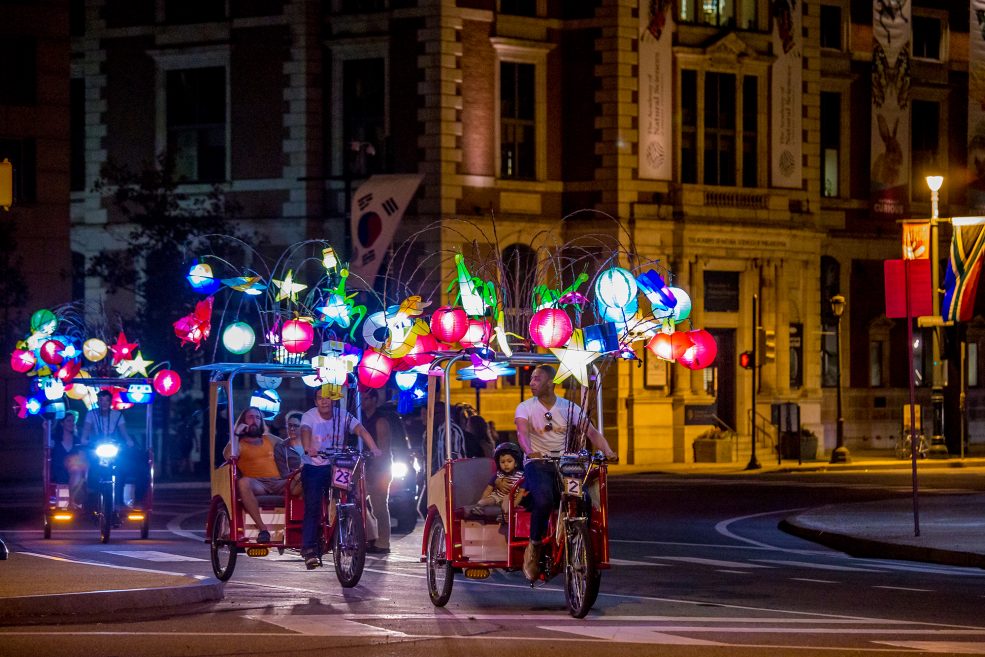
column 872, row 549
column 62, row 607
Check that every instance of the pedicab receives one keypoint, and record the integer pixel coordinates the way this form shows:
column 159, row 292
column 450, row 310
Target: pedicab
column 461, row 539
column 230, row 531
column 102, row 503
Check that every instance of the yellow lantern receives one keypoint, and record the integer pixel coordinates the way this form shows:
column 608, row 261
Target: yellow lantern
column 94, row 349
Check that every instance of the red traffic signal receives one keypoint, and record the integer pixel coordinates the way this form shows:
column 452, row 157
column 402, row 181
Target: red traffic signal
column 746, row 360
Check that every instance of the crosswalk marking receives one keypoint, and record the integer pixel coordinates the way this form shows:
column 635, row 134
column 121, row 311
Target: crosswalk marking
column 328, row 625
column 630, row 634
column 152, row 555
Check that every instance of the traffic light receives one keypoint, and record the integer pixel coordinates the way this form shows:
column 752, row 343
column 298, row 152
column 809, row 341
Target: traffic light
column 746, row 360
column 6, row 184
column 765, row 346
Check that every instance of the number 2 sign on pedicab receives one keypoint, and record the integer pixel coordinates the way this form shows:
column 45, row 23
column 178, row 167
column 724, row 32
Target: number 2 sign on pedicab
column 102, row 475
column 501, row 312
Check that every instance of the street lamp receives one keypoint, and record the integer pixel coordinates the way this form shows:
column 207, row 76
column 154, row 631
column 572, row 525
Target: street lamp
column 840, row 453
column 938, row 449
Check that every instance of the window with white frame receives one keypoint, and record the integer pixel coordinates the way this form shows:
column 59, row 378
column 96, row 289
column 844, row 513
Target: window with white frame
column 521, row 92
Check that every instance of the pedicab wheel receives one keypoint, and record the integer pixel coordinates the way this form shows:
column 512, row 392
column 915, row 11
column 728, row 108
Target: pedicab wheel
column 349, row 546
column 223, row 550
column 440, row 573
column 47, row 526
column 145, row 525
column 105, row 517
column 581, row 575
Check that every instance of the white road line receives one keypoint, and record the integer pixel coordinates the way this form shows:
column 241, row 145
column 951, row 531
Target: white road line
column 174, row 526
column 940, row 647
column 818, row 566
column 151, row 555
column 814, row 581
column 328, row 625
column 649, row 635
column 109, row 565
column 723, row 528
column 710, row 562
column 903, row 588
column 630, row 562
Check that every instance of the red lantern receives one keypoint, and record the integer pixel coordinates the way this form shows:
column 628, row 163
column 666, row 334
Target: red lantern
column 51, row 352
column 702, row 353
column 420, row 354
column 68, row 371
column 550, row 327
column 22, row 360
column 118, row 404
column 166, row 382
column 297, row 336
column 374, row 369
column 449, row 324
column 661, row 346
column 477, row 334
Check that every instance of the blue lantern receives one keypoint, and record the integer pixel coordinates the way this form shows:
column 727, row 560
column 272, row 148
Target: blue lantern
column 201, row 279
column 616, row 287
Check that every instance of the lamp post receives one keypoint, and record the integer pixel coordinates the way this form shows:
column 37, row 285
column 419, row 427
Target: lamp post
column 840, row 453
column 938, row 449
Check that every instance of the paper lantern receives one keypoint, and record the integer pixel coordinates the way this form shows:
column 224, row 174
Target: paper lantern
column 477, row 334
column 238, row 338
column 94, row 349
column 51, row 352
column 682, row 310
column 201, row 279
column 267, row 401
column 703, row 351
column 374, row 369
column 44, row 321
column 268, row 382
column 68, row 371
column 620, row 314
column 22, row 360
column 449, row 324
column 670, row 346
column 405, row 380
column 166, row 382
column 616, row 287
column 550, row 327
column 52, row 388
column 420, row 353
column 297, row 336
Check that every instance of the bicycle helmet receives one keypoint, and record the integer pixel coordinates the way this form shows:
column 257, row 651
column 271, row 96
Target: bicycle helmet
column 509, row 448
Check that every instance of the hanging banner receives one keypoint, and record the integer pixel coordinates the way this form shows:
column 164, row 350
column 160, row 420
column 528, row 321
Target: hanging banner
column 916, row 240
column 377, row 208
column 976, row 107
column 891, row 29
column 786, row 157
column 963, row 268
column 656, row 85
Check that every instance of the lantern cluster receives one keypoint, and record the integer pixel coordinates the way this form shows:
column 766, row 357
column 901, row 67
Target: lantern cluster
column 59, row 360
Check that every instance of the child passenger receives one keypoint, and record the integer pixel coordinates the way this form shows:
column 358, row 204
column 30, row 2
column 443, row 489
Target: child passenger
column 509, row 469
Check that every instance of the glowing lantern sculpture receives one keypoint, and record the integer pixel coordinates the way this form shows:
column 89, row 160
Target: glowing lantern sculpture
column 420, row 353
column 44, row 321
column 297, row 336
column 68, row 371
column 682, row 309
column 477, row 334
column 238, row 338
column 22, row 360
column 449, row 324
column 702, row 353
column 94, row 350
column 201, row 279
column 123, row 349
column 670, row 346
column 374, row 369
column 51, row 352
column 616, row 287
column 550, row 327
column 166, row 382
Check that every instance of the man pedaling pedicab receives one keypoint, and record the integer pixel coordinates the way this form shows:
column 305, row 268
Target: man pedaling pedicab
column 256, row 466
column 103, row 423
column 542, row 423
column 323, row 430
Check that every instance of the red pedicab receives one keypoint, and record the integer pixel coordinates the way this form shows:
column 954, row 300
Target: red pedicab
column 230, row 531
column 457, row 539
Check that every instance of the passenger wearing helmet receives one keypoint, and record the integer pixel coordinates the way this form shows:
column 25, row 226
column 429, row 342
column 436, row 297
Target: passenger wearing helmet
column 509, row 469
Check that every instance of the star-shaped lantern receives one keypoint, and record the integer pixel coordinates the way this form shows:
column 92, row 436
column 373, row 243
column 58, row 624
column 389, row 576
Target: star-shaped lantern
column 122, row 350
column 137, row 365
column 288, row 289
column 574, row 360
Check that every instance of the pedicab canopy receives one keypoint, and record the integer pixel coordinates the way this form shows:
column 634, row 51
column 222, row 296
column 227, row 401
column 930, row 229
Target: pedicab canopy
column 304, row 314
column 59, row 353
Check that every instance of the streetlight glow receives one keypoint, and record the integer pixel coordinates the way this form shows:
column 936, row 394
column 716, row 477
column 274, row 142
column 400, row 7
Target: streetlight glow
column 935, row 182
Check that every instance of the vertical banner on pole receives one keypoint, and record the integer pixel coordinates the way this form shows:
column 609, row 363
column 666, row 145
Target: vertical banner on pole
column 891, row 29
column 787, row 95
column 656, row 84
column 377, row 208
column 976, row 107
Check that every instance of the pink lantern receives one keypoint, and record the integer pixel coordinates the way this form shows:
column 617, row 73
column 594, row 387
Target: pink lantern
column 68, row 371
column 51, row 352
column 374, row 369
column 477, row 334
column 420, row 354
column 22, row 360
column 702, row 353
column 166, row 382
column 550, row 327
column 118, row 404
column 297, row 336
column 449, row 324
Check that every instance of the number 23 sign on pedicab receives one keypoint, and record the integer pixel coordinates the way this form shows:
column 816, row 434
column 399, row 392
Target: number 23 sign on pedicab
column 494, row 321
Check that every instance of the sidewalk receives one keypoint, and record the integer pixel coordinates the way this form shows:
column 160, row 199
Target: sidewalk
column 36, row 588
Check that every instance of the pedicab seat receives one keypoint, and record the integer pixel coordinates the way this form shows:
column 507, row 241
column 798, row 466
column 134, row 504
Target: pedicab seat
column 469, row 478
column 270, row 501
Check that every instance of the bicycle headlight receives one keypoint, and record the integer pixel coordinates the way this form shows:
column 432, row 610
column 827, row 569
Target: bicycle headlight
column 107, row 450
column 399, row 469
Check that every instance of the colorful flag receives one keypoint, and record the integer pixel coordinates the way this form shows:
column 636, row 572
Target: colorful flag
column 963, row 268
